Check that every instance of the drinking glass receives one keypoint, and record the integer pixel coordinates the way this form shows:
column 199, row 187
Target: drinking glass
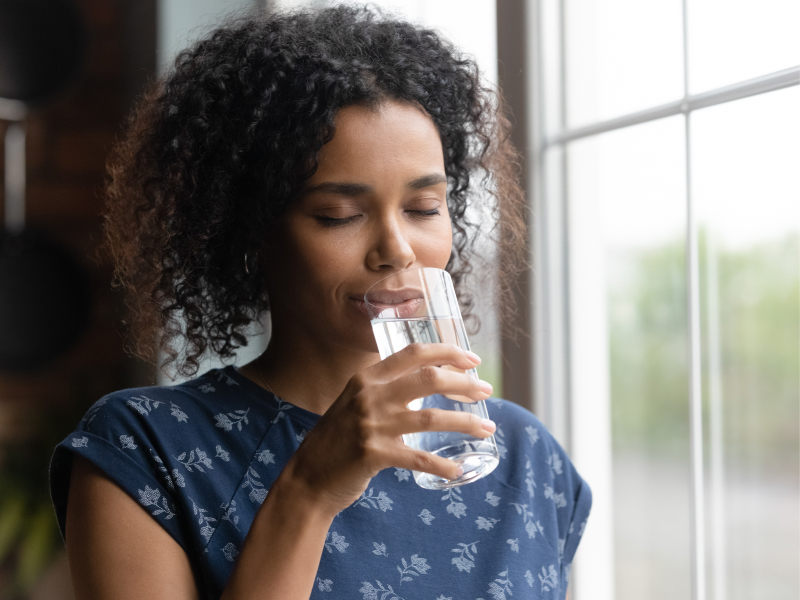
column 420, row 306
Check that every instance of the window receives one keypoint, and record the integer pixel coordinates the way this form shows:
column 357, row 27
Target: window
column 667, row 313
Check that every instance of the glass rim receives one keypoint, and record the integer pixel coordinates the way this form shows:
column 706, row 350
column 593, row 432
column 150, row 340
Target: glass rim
column 411, row 297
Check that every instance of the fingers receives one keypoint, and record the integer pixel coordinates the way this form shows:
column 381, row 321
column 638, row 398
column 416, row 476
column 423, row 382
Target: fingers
column 434, row 419
column 431, row 380
column 418, row 460
column 414, row 356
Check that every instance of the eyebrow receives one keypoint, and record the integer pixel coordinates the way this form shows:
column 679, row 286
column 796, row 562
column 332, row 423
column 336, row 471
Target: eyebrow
column 357, row 189
column 426, row 181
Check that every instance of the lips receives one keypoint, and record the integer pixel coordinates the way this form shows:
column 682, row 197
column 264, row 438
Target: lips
column 394, row 304
column 360, row 305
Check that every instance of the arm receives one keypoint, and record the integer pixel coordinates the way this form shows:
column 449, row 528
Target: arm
column 117, row 551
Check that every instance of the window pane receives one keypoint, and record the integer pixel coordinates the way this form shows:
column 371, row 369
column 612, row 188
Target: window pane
column 622, row 56
column 745, row 185
column 735, row 40
column 549, row 32
column 627, row 221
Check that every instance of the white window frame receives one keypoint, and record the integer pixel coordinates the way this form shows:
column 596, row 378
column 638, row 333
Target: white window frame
column 567, row 357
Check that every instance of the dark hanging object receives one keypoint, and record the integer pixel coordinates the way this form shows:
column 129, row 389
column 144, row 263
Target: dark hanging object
column 42, row 45
column 44, row 293
column 44, row 301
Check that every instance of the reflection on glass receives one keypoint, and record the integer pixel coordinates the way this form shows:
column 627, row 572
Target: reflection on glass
column 731, row 41
column 745, row 185
column 634, row 181
column 622, row 56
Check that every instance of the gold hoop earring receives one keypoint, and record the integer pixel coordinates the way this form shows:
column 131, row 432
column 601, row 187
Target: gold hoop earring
column 246, row 266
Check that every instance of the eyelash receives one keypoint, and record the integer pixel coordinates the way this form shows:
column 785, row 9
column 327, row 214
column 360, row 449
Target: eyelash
column 333, row 222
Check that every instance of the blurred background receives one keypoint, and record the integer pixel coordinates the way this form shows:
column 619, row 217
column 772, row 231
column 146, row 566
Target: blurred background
column 660, row 319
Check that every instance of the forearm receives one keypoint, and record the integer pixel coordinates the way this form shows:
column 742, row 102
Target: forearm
column 281, row 554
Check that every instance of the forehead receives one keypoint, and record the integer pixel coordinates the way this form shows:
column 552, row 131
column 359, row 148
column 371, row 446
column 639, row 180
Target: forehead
column 393, row 139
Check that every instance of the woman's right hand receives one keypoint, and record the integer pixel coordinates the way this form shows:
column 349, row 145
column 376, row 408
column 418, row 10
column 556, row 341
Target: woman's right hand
column 361, row 433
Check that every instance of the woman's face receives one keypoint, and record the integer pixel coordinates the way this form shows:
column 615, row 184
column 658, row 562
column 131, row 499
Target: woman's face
column 376, row 206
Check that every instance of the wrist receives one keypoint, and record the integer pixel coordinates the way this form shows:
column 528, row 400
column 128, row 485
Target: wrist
column 299, row 493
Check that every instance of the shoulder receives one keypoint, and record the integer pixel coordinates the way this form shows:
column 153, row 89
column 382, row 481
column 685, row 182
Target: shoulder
column 520, row 434
column 525, row 443
column 214, row 402
column 533, row 461
column 161, row 444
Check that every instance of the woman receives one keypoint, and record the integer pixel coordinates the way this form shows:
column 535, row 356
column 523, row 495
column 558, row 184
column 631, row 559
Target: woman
column 286, row 164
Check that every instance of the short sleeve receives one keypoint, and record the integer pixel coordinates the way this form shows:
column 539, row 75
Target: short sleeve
column 577, row 523
column 116, row 436
column 572, row 497
column 532, row 460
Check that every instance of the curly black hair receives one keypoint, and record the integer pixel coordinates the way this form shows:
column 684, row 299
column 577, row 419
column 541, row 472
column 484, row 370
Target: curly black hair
column 216, row 150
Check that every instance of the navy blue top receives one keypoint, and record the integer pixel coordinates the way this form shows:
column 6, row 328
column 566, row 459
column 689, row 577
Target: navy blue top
column 200, row 458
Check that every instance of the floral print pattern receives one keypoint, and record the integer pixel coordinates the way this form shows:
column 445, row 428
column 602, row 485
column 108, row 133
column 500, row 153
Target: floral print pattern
column 173, row 479
column 224, row 441
column 501, row 586
column 143, row 405
column 176, row 412
column 151, row 497
column 531, row 526
column 416, row 567
column 230, row 551
column 253, row 481
column 380, row 549
column 381, row 501
column 336, row 541
column 484, row 523
column 126, row 442
column 466, row 556
column 198, row 461
column 549, row 578
column 228, row 421
column 378, row 593
column 266, row 457
column 402, row 474
column 456, row 507
column 204, row 520
column 426, row 516
column 222, row 454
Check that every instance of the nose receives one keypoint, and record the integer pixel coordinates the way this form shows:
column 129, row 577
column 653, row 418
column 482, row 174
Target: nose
column 390, row 247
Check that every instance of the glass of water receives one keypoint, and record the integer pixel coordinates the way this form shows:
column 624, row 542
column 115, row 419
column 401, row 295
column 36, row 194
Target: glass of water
column 420, row 306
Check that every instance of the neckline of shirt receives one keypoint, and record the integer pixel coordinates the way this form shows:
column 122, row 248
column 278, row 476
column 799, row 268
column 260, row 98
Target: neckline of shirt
column 305, row 417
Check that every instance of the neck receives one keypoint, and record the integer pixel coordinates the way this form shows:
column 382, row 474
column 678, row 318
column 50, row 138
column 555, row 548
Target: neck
column 306, row 372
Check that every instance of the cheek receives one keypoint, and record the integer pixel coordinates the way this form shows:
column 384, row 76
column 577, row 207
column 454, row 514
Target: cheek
column 323, row 259
column 434, row 248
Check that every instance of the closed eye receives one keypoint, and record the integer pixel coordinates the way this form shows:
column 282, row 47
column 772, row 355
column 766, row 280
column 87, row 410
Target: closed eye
column 426, row 213
column 326, row 221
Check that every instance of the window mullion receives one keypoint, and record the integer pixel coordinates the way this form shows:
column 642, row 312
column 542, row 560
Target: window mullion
column 743, row 89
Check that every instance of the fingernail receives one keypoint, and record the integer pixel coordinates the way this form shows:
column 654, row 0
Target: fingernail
column 460, row 472
column 488, row 425
column 473, row 357
column 485, row 387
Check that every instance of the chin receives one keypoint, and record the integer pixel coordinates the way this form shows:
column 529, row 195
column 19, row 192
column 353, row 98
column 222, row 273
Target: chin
column 356, row 334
